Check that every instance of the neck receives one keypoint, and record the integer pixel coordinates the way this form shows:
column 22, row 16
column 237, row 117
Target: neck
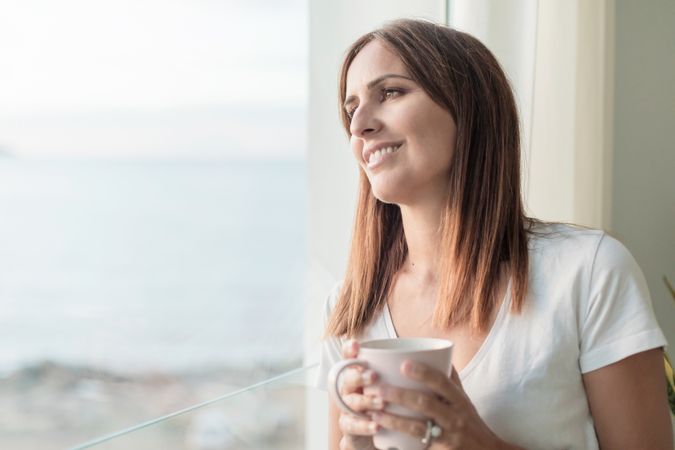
column 421, row 225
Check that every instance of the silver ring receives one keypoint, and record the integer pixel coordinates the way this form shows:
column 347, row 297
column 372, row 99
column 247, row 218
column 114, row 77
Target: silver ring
column 432, row 432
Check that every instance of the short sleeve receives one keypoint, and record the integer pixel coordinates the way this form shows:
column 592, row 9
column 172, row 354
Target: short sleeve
column 331, row 346
column 619, row 320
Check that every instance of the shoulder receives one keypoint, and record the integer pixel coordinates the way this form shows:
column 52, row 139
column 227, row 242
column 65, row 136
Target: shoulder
column 583, row 259
column 612, row 255
column 331, row 345
column 333, row 296
column 377, row 328
column 330, row 303
column 589, row 248
column 562, row 236
column 558, row 246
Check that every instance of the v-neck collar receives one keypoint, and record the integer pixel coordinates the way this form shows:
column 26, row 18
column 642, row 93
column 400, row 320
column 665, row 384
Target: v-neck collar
column 487, row 343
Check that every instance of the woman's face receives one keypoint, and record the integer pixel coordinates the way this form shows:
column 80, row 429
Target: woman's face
column 402, row 139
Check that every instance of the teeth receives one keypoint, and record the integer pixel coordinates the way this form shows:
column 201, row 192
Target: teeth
column 377, row 155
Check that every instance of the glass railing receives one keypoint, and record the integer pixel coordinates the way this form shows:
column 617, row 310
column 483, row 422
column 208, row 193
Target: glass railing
column 269, row 414
column 123, row 303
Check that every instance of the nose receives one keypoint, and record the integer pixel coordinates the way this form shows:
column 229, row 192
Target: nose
column 364, row 122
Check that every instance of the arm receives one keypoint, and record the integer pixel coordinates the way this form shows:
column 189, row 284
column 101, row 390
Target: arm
column 628, row 403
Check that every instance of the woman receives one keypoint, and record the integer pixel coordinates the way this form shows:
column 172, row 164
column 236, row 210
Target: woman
column 556, row 345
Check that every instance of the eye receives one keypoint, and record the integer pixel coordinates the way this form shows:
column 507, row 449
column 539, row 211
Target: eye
column 389, row 93
column 350, row 112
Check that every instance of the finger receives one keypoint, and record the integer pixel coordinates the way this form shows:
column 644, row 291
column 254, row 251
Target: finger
column 427, row 404
column 351, row 442
column 350, row 349
column 353, row 425
column 346, row 443
column 353, row 379
column 434, row 379
column 413, row 427
column 359, row 402
column 372, row 390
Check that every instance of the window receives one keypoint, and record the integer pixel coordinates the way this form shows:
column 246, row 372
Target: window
column 152, row 203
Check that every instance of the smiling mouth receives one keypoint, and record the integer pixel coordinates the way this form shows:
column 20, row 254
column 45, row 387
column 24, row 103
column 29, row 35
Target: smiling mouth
column 377, row 156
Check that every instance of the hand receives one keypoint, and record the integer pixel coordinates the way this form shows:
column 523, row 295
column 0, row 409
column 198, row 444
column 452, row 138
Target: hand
column 448, row 406
column 356, row 431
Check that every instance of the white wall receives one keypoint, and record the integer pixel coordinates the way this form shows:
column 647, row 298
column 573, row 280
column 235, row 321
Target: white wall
column 643, row 212
column 558, row 56
column 509, row 30
column 570, row 159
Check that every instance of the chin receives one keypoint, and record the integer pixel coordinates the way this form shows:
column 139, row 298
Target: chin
column 388, row 196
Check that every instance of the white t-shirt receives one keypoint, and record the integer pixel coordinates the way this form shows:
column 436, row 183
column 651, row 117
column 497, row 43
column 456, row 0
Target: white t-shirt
column 587, row 307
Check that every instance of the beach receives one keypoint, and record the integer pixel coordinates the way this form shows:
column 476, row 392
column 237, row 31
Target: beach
column 52, row 406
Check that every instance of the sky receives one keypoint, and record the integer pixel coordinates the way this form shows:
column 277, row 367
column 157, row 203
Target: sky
column 153, row 78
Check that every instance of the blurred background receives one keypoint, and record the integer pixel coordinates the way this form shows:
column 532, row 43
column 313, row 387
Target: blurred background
column 152, row 210
column 176, row 196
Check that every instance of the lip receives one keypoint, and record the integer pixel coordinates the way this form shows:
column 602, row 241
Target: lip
column 373, row 148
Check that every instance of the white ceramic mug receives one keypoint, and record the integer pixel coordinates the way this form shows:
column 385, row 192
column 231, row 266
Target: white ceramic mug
column 385, row 356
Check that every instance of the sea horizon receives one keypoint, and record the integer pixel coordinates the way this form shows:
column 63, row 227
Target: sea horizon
column 136, row 265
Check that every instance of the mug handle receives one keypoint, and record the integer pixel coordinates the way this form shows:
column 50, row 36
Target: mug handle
column 333, row 377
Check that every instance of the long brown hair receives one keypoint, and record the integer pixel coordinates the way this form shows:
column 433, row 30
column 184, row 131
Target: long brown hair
column 483, row 228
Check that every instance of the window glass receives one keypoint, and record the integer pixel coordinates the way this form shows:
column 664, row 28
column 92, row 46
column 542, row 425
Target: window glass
column 152, row 208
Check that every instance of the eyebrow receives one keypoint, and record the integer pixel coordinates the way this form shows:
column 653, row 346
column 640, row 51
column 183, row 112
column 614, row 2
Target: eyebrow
column 374, row 83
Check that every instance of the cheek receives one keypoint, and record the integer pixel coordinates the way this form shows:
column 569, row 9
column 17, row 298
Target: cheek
column 438, row 133
column 356, row 145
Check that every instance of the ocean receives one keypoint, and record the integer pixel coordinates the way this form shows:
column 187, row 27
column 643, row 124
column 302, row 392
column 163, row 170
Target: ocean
column 137, row 266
